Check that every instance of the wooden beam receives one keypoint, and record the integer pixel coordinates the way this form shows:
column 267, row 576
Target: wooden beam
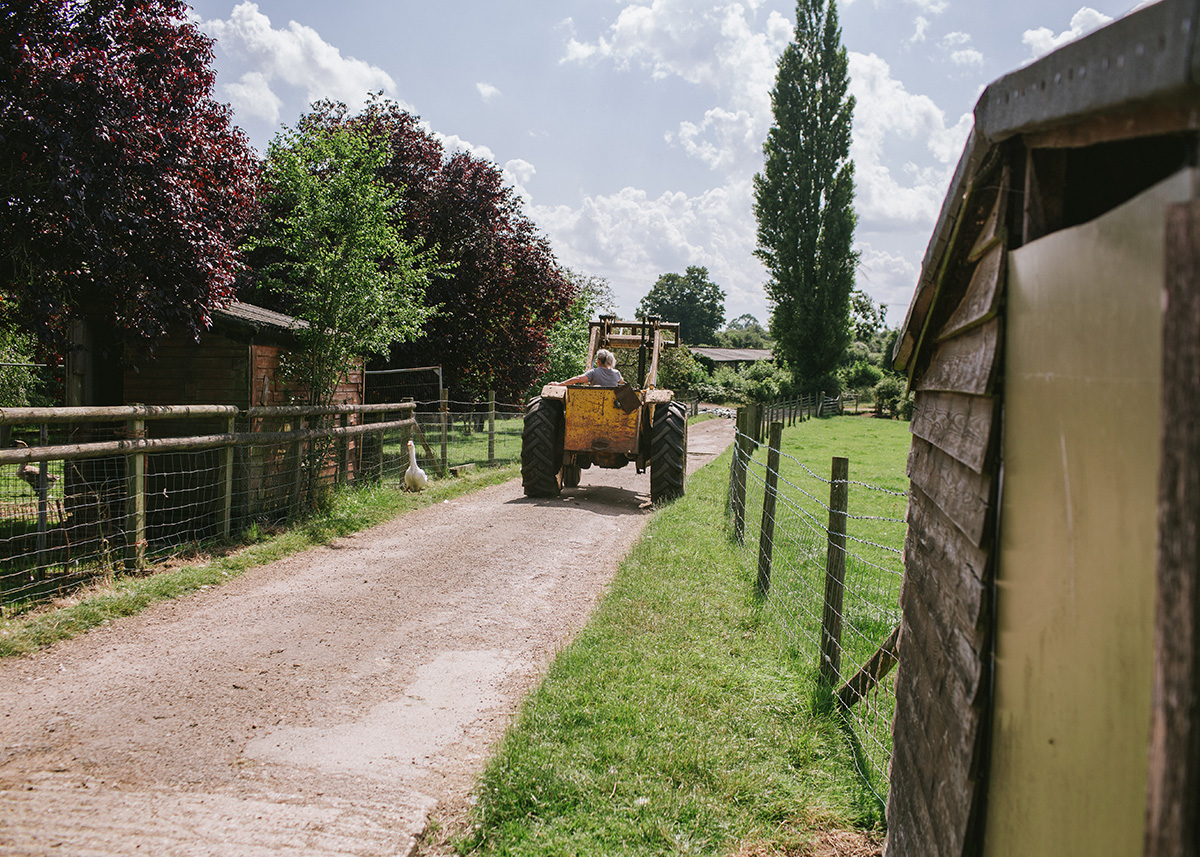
column 1045, row 178
column 872, row 672
column 1173, row 793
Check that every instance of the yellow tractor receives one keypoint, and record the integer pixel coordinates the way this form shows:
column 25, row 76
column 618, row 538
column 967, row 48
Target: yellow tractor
column 570, row 428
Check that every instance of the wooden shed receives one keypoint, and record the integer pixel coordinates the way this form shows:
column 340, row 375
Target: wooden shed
column 1049, row 676
column 235, row 362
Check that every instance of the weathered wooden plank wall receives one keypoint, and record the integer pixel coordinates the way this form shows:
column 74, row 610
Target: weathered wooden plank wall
column 939, row 731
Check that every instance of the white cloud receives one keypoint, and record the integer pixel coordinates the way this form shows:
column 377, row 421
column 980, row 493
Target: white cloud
column 486, row 91
column 724, row 50
column 736, row 134
column 888, row 279
column 967, row 56
column 631, row 238
column 518, row 172
column 296, row 57
column 886, row 112
column 922, row 29
column 933, row 7
column 454, row 143
column 252, row 96
column 1043, row 40
column 955, row 39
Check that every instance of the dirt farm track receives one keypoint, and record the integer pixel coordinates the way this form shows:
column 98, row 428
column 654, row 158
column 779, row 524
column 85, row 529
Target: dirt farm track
column 325, row 704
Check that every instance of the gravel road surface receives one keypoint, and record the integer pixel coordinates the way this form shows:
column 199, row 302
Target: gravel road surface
column 325, row 704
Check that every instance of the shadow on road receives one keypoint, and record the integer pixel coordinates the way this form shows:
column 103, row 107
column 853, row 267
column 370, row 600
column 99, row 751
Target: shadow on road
column 602, row 499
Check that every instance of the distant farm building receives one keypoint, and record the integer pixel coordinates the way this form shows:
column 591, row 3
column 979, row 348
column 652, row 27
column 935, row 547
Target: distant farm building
column 734, row 358
column 1048, row 690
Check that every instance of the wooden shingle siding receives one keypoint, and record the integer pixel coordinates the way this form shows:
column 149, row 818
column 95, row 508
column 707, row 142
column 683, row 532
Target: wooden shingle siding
column 960, row 426
column 939, row 731
column 935, row 543
column 965, row 363
column 983, row 294
column 960, row 492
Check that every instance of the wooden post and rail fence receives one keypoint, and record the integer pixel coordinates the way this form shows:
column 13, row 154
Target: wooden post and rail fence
column 135, row 446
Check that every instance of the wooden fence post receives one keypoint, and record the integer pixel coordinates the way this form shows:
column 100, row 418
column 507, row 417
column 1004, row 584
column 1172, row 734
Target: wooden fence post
column 43, row 490
column 755, row 415
column 343, row 451
column 379, row 474
column 297, row 472
column 444, row 415
column 135, row 500
column 766, row 539
column 738, row 489
column 835, row 572
column 491, row 428
column 227, row 505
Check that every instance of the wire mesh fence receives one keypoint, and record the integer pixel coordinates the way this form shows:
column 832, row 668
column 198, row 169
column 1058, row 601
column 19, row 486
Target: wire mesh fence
column 452, row 434
column 832, row 551
column 89, row 492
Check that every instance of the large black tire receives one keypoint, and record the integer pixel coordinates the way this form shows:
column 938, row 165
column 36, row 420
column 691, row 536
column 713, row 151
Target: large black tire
column 542, row 448
column 668, row 452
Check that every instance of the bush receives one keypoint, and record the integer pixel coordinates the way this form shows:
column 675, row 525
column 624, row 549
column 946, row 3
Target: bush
column 888, row 394
column 766, row 382
column 861, row 375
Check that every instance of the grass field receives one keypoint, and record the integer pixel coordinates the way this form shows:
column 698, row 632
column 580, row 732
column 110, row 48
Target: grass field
column 687, row 717
column 877, row 451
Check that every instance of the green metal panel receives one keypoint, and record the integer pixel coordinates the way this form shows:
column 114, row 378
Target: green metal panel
column 1075, row 579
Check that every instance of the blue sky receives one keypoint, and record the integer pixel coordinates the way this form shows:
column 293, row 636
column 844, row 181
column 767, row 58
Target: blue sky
column 633, row 129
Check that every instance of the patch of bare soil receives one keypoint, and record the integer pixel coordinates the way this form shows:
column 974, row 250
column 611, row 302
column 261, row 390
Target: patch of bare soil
column 325, row 704
column 824, row 843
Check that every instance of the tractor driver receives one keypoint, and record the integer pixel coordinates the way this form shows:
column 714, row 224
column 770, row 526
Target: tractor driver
column 605, row 373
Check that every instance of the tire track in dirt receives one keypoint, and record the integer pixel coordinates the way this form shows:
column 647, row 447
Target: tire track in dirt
column 320, row 705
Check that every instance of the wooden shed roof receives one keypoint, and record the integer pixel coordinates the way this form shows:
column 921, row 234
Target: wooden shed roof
column 249, row 315
column 1099, row 88
column 241, row 320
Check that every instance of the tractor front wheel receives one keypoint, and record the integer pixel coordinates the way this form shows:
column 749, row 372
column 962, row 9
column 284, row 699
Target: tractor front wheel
column 542, row 448
column 668, row 452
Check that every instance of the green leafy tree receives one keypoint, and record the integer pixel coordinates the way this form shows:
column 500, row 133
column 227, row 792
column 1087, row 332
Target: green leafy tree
column 804, row 198
column 691, row 299
column 329, row 247
column 867, row 318
column 125, row 186
column 745, row 331
column 21, row 383
column 569, row 335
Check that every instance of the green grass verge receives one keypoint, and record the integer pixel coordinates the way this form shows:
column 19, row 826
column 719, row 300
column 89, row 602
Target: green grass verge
column 679, row 721
column 877, row 451
column 349, row 511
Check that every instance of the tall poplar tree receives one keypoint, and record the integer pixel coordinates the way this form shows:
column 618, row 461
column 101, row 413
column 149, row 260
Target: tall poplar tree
column 804, row 198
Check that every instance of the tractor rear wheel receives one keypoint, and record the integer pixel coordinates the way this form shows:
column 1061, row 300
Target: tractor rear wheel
column 542, row 448
column 668, row 452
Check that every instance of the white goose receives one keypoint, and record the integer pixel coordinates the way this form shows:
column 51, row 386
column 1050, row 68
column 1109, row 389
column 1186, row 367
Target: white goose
column 414, row 478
